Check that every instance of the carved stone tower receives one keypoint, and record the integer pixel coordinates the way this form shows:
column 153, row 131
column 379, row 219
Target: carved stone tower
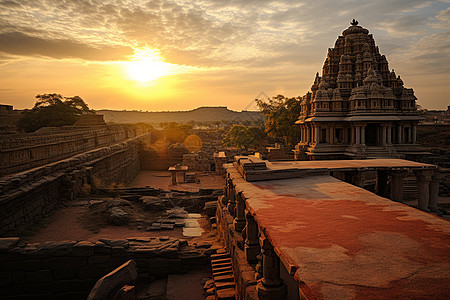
column 358, row 108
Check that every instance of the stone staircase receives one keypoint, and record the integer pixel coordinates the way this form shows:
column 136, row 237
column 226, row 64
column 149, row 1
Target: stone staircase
column 380, row 152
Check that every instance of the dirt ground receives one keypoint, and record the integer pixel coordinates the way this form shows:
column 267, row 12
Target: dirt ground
column 76, row 221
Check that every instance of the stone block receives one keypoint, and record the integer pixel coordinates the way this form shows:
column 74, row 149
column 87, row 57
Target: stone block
column 121, row 276
column 61, row 286
column 63, row 248
column 6, row 278
column 25, row 265
column 98, row 259
column 65, row 274
column 39, row 276
column 64, row 262
column 83, row 248
column 18, row 276
column 115, row 243
column 102, row 248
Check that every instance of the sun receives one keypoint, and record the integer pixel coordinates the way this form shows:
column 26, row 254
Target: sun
column 147, row 65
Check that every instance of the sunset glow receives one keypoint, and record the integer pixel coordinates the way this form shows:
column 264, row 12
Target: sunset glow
column 178, row 55
column 147, row 65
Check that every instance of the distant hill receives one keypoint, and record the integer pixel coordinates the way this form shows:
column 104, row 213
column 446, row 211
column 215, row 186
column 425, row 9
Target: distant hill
column 201, row 114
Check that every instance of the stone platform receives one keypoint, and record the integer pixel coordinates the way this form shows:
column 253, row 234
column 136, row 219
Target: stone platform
column 339, row 241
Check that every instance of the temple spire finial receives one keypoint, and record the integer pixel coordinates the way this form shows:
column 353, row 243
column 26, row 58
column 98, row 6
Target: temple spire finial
column 354, row 22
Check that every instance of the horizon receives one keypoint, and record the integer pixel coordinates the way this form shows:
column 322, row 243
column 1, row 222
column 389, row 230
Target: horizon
column 177, row 56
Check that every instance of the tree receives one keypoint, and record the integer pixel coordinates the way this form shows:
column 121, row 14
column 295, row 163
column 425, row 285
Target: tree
column 239, row 136
column 52, row 110
column 281, row 114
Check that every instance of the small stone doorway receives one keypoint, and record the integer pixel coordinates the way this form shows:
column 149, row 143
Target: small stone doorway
column 372, row 134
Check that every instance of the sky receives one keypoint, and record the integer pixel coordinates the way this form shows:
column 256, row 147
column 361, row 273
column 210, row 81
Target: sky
column 178, row 55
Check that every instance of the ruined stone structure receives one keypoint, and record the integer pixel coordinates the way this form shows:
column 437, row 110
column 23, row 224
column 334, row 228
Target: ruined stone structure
column 19, row 152
column 358, row 108
column 69, row 269
column 295, row 232
column 42, row 169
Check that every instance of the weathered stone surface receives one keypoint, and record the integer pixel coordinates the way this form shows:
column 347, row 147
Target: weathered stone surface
column 118, row 216
column 118, row 202
column 115, row 243
column 153, row 203
column 6, row 243
column 109, row 283
column 83, row 248
column 62, row 248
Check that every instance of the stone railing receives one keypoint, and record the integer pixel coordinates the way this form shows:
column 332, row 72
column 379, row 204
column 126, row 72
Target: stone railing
column 69, row 269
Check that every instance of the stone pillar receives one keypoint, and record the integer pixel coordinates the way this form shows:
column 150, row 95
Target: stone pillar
column 352, row 134
column 383, row 135
column 358, row 135
column 173, row 175
column 389, row 135
column 399, row 134
column 328, row 136
column 231, row 199
column 434, row 191
column 251, row 245
column 363, row 135
column 397, row 179
column 316, row 134
column 413, row 134
column 332, row 135
column 271, row 286
column 308, row 135
column 381, row 184
column 239, row 220
column 423, row 188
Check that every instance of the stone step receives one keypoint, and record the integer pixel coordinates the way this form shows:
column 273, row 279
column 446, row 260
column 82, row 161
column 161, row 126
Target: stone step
column 228, row 272
column 222, row 265
column 223, row 285
column 219, row 256
column 223, row 278
column 223, row 269
column 226, row 294
column 220, row 260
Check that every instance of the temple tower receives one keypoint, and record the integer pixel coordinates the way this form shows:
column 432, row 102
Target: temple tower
column 358, row 108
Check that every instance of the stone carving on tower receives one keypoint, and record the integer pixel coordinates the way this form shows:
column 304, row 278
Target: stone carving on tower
column 358, row 108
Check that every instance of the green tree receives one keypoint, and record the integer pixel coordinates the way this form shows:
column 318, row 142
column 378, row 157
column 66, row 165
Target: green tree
column 52, row 110
column 239, row 136
column 174, row 132
column 281, row 114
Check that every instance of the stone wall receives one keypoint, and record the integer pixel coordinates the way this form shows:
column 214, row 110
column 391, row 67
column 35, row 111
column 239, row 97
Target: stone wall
column 28, row 196
column 21, row 152
column 69, row 269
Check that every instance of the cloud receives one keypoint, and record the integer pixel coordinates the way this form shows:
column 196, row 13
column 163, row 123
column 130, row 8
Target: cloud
column 17, row 43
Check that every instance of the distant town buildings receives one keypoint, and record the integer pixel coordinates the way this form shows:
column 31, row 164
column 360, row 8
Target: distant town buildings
column 358, row 108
